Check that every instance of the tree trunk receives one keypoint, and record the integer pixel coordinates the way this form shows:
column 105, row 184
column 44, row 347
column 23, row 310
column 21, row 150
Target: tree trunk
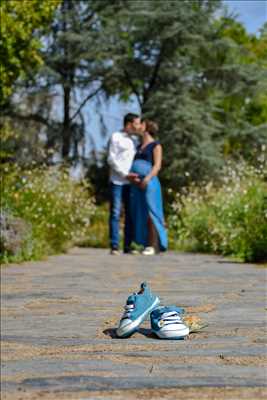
column 66, row 133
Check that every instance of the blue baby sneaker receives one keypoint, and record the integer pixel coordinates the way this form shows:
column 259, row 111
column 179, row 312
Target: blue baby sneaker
column 167, row 323
column 137, row 308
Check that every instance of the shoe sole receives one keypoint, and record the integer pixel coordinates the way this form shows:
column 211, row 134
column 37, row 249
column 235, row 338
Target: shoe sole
column 172, row 334
column 131, row 327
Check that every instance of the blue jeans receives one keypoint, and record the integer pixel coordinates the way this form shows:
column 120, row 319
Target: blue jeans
column 120, row 194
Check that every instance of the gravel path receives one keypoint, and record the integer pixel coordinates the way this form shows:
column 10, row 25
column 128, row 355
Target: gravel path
column 58, row 319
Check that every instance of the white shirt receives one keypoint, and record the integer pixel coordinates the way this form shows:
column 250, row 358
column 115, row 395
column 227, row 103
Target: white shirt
column 121, row 152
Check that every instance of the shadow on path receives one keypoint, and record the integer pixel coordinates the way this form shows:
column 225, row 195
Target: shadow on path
column 111, row 332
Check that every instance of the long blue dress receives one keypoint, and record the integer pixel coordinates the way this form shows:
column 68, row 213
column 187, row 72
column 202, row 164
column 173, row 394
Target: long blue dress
column 147, row 202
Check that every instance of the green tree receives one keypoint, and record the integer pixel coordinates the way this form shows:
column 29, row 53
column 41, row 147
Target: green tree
column 22, row 24
column 184, row 65
column 243, row 110
column 156, row 56
column 71, row 75
column 256, row 110
column 199, row 75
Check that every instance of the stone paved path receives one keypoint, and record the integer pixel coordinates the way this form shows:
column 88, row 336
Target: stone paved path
column 58, row 320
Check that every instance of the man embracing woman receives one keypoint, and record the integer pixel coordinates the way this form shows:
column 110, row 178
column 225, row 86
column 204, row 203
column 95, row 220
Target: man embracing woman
column 134, row 185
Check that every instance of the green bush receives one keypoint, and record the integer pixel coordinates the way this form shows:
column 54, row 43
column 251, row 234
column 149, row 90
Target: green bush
column 98, row 234
column 57, row 209
column 229, row 217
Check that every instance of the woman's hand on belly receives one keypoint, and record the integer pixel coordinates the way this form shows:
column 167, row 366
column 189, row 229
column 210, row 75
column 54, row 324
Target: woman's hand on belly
column 143, row 184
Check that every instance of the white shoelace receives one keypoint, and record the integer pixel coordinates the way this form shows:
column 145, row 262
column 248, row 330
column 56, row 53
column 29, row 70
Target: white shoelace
column 128, row 310
column 171, row 317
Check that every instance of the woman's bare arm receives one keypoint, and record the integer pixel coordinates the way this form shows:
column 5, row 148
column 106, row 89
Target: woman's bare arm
column 157, row 154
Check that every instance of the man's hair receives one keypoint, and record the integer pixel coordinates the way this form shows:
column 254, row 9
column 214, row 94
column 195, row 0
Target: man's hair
column 130, row 117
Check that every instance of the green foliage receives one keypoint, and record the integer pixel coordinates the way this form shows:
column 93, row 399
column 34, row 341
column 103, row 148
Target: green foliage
column 200, row 77
column 20, row 145
column 20, row 44
column 98, row 176
column 243, row 110
column 71, row 74
column 7, row 137
column 58, row 209
column 230, row 219
column 98, row 234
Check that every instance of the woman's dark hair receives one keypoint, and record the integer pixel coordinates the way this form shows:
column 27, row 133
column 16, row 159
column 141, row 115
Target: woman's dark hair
column 151, row 127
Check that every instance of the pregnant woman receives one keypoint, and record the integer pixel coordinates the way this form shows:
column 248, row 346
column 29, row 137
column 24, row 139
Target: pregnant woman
column 146, row 197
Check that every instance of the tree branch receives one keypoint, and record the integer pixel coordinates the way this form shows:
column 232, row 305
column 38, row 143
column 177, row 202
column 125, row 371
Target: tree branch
column 32, row 117
column 134, row 89
column 84, row 102
column 89, row 18
column 153, row 77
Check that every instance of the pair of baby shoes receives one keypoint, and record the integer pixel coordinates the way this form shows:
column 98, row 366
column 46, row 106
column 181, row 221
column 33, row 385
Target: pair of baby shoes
column 166, row 321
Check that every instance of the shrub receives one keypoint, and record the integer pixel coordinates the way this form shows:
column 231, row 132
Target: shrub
column 98, row 235
column 229, row 217
column 57, row 209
